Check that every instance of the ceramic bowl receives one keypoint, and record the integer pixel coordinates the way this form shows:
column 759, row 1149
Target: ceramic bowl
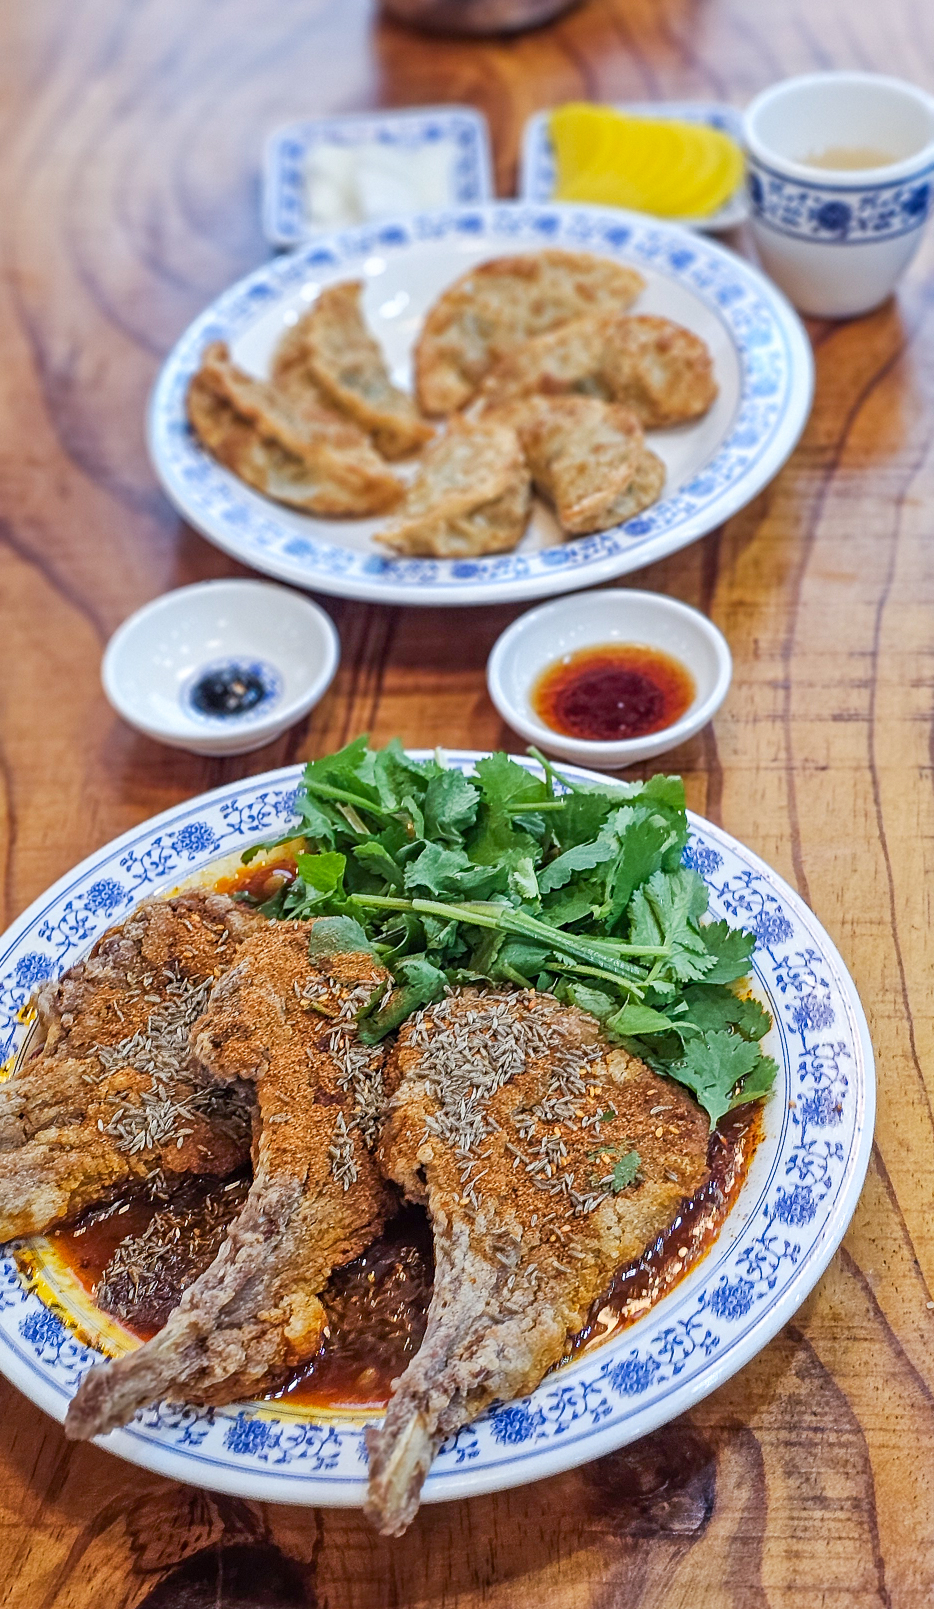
column 837, row 240
column 588, row 620
column 162, row 667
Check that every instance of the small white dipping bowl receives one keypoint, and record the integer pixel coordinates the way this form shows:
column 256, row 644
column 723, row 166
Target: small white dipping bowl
column 282, row 642
column 837, row 240
column 589, row 620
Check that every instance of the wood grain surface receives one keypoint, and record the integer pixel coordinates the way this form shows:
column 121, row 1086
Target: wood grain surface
column 130, row 136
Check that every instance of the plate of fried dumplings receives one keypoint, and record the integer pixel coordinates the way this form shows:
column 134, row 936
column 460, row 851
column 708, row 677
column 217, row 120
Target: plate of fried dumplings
column 480, row 405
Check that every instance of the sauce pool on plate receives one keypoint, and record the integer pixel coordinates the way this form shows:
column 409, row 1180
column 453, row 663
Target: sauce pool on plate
column 613, row 692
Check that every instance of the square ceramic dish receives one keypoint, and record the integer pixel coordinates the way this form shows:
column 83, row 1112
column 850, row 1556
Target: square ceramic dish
column 459, row 131
column 537, row 161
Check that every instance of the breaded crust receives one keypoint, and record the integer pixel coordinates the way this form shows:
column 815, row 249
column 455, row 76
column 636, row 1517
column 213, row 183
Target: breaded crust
column 589, row 458
column 471, row 497
column 491, row 310
column 112, row 1096
column 659, row 369
column 331, row 350
column 308, row 457
column 509, row 1117
column 285, row 1023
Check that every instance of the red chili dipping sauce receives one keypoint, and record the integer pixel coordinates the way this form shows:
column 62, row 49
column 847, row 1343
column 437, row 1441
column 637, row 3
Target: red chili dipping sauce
column 613, row 692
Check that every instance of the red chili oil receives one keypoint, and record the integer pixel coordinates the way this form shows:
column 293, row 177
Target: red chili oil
column 259, row 883
column 613, row 692
column 377, row 1305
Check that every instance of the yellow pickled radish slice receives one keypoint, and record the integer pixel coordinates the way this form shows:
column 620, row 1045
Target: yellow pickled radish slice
column 662, row 165
column 603, row 157
column 716, row 174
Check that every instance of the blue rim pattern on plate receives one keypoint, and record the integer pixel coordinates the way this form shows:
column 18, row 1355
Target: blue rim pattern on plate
column 783, row 1230
column 284, row 218
column 839, row 214
column 538, row 171
column 776, row 370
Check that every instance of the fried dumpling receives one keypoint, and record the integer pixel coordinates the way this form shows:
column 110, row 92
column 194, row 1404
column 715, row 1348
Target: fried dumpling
column 330, row 349
column 659, row 369
column 308, row 456
column 589, row 458
column 493, row 308
column 471, row 497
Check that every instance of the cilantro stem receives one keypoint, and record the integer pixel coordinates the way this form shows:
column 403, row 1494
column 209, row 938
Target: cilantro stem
column 629, row 984
column 324, row 790
column 551, row 773
column 504, row 919
column 534, row 809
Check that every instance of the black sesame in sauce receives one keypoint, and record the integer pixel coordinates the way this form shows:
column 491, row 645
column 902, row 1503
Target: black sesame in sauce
column 231, row 690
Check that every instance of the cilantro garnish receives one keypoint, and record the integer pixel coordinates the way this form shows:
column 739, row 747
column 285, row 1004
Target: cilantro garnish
column 625, row 1171
column 531, row 880
column 621, row 1173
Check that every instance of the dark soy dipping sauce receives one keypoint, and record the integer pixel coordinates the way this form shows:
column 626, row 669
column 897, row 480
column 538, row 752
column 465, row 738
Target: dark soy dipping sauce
column 232, row 690
column 376, row 1305
column 613, row 692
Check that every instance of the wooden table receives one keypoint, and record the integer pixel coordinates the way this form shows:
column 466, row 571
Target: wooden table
column 128, row 176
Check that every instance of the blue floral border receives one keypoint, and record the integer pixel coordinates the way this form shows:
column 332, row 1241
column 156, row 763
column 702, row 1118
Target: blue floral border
column 838, row 214
column 773, row 391
column 795, row 1208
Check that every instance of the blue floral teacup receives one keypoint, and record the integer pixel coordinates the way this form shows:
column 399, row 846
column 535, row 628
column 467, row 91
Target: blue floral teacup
column 841, row 181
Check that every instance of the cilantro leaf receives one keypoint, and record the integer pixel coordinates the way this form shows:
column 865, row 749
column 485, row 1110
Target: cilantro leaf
column 594, row 1001
column 583, row 815
column 642, row 840
column 417, row 983
column 583, row 857
column 635, row 1019
column 332, row 935
column 713, row 1066
column 377, row 860
column 450, row 806
column 710, row 1006
column 666, row 910
column 323, row 873
column 499, row 839
column 505, row 785
column 522, row 879
column 625, row 1171
column 731, row 948
column 395, row 776
column 351, row 768
column 757, row 1083
column 441, row 871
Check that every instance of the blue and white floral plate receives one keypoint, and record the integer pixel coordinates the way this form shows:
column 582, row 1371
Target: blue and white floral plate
column 784, row 1227
column 762, row 360
column 537, row 170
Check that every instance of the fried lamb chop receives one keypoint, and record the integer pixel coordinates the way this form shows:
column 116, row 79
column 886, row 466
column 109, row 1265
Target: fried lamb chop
column 286, row 1022
column 547, row 1160
column 112, row 1096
